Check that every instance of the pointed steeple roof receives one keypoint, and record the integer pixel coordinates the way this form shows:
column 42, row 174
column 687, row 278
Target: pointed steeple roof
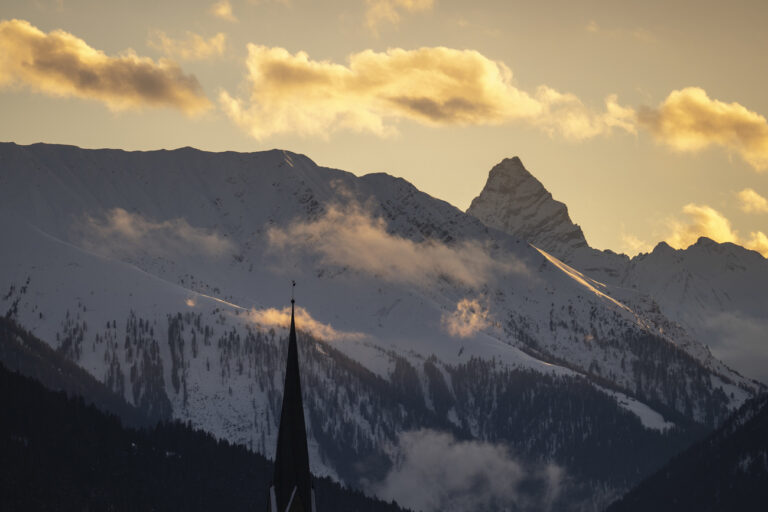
column 292, row 481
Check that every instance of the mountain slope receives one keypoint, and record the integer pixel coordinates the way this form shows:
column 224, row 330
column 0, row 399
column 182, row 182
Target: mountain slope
column 726, row 471
column 22, row 353
column 164, row 274
column 59, row 454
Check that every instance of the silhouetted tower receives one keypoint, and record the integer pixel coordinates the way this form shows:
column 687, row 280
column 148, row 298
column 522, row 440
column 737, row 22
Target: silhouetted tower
column 291, row 489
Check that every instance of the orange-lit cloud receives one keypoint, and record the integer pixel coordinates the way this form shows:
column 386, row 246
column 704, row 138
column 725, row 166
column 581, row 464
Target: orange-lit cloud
column 61, row 64
column 469, row 318
column 281, row 318
column 193, row 47
column 752, row 202
column 706, row 221
column 379, row 11
column 223, row 10
column 689, row 120
column 291, row 93
column 353, row 239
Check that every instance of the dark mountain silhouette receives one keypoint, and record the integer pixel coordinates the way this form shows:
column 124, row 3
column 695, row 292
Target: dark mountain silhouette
column 726, row 471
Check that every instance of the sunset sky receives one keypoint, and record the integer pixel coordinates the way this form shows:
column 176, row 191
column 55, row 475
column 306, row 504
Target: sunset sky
column 646, row 118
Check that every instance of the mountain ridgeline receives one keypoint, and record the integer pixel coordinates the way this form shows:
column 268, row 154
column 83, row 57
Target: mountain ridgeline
column 163, row 275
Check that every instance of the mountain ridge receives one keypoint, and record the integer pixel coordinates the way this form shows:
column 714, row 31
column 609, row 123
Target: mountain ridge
column 702, row 289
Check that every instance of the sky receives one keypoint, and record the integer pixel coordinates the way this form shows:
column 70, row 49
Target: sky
column 646, row 118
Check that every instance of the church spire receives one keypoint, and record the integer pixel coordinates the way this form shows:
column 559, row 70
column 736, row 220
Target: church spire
column 292, row 484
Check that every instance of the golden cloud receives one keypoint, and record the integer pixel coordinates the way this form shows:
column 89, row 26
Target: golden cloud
column 389, row 10
column 689, row 120
column 469, row 318
column 61, row 64
column 223, row 10
column 290, row 93
column 752, row 202
column 706, row 221
column 758, row 241
column 281, row 318
column 353, row 239
column 193, row 47
column 702, row 221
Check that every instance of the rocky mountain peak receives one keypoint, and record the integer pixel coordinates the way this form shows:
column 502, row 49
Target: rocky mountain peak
column 515, row 202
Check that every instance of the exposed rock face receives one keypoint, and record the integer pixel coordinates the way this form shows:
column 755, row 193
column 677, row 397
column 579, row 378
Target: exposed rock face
column 714, row 291
column 515, row 202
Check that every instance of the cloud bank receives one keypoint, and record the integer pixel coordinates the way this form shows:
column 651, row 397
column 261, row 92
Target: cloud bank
column 703, row 220
column 60, row 64
column 352, row 238
column 193, row 47
column 291, row 93
column 469, row 318
column 379, row 11
column 689, row 120
column 281, row 318
column 121, row 233
column 435, row 472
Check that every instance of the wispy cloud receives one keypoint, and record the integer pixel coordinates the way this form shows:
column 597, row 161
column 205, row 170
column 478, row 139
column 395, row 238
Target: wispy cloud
column 689, row 120
column 121, row 233
column 638, row 33
column 469, row 318
column 192, row 47
column 223, row 11
column 703, row 220
column 60, row 64
column 390, row 11
column 752, row 202
column 352, row 238
column 435, row 472
column 281, row 318
column 631, row 245
column 291, row 93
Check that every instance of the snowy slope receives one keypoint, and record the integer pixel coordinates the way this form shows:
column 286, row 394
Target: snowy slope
column 717, row 292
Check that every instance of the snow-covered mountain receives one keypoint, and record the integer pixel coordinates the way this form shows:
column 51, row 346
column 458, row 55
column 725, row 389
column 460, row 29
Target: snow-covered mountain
column 514, row 201
column 715, row 292
column 166, row 274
